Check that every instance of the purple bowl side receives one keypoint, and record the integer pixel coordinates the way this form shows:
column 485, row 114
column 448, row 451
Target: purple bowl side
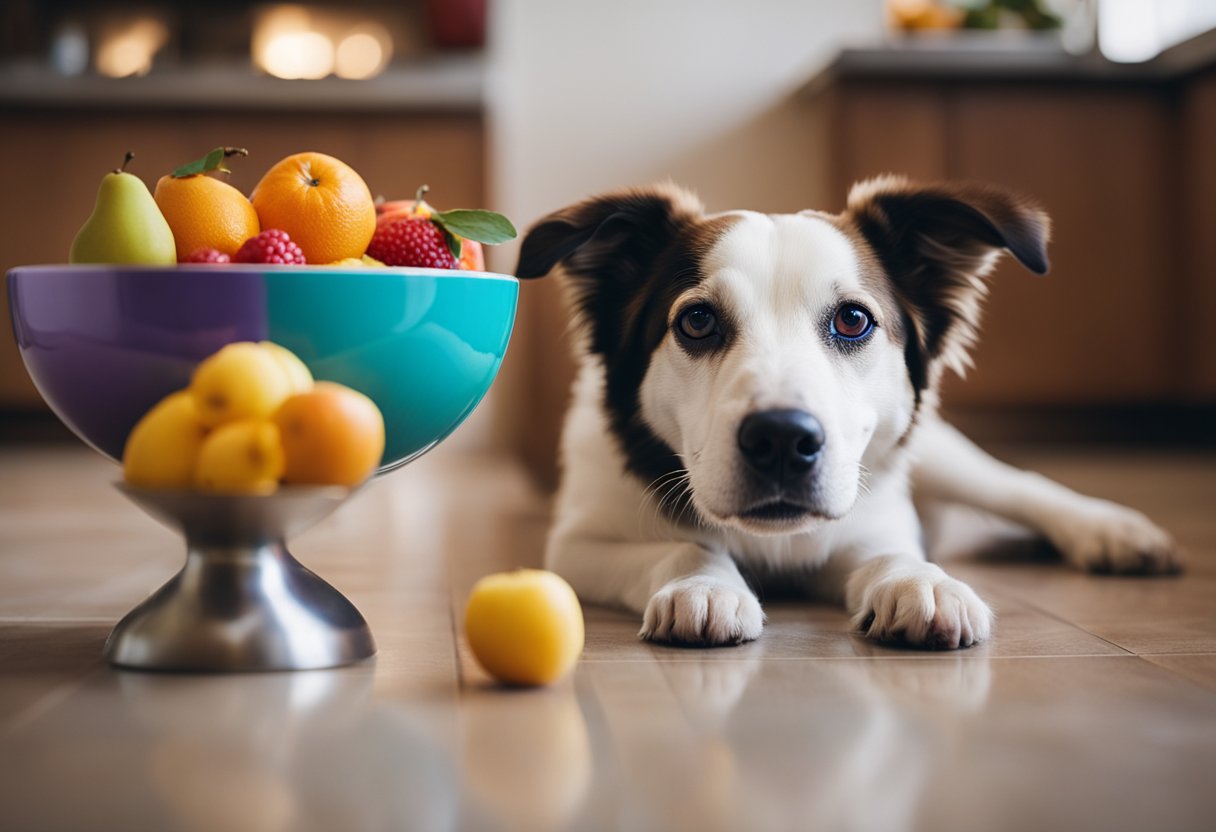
column 104, row 345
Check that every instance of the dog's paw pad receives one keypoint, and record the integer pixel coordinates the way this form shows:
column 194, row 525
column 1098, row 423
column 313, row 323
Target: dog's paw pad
column 935, row 612
column 702, row 611
column 1111, row 539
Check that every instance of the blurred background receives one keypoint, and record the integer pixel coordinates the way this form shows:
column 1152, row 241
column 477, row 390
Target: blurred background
column 1104, row 110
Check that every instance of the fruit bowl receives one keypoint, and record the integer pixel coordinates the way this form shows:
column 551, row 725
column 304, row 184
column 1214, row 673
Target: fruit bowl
column 103, row 344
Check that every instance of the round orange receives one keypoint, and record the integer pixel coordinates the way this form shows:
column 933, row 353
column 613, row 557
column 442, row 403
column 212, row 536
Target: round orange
column 322, row 204
column 204, row 212
column 332, row 435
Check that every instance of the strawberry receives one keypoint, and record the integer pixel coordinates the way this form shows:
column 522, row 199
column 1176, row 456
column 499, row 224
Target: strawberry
column 411, row 241
column 412, row 233
column 270, row 246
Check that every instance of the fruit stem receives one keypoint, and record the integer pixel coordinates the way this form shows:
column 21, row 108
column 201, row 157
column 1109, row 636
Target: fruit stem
column 235, row 151
column 126, row 160
column 420, row 195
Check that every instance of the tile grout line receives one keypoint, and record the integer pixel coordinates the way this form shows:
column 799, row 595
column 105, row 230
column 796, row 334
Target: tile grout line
column 1022, row 599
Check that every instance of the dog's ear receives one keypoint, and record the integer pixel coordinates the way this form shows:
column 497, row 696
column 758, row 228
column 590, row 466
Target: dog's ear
column 607, row 246
column 611, row 236
column 937, row 244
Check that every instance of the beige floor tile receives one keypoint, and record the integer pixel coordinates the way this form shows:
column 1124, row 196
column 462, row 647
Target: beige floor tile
column 1198, row 667
column 43, row 658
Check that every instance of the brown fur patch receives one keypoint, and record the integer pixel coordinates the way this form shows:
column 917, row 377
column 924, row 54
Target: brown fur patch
column 936, row 243
column 626, row 257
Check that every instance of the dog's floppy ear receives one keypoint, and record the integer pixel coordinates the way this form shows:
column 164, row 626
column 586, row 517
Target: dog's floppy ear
column 937, row 243
column 607, row 246
column 611, row 235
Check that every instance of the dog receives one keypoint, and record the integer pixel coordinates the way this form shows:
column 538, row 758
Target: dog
column 757, row 395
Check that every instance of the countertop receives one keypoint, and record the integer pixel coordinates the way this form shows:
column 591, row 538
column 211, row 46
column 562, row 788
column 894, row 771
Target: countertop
column 438, row 84
column 984, row 57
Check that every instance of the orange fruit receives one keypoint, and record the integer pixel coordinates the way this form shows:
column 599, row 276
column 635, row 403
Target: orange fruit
column 323, row 205
column 332, row 435
column 204, row 212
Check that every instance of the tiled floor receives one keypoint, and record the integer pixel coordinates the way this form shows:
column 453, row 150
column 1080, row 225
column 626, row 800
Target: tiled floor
column 1094, row 707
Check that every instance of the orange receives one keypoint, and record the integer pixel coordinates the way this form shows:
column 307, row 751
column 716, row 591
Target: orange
column 204, row 212
column 332, row 435
column 322, row 204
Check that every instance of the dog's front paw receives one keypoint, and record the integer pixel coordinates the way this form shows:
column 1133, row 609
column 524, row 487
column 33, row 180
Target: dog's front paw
column 923, row 610
column 1109, row 538
column 705, row 611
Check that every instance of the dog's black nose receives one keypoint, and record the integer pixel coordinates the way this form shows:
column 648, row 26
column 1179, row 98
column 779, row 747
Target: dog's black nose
column 781, row 443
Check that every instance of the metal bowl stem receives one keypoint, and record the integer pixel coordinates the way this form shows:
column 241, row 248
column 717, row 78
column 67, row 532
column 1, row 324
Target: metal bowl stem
column 241, row 602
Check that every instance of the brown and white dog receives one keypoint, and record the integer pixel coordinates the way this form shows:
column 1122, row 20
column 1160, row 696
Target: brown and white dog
column 758, row 391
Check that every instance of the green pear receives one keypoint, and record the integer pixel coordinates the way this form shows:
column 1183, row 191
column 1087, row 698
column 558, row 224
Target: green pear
column 125, row 227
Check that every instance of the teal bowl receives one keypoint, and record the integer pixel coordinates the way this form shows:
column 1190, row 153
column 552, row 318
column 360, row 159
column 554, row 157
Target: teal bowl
column 103, row 344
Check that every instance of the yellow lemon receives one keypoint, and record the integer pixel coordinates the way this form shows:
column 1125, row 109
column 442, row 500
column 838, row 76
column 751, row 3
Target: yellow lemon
column 525, row 627
column 163, row 448
column 244, row 457
column 298, row 375
column 241, row 381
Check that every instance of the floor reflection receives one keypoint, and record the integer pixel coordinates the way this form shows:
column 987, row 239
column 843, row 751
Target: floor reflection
column 526, row 756
column 753, row 744
column 279, row 751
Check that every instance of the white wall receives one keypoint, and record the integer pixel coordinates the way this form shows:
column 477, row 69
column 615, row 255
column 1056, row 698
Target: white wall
column 586, row 95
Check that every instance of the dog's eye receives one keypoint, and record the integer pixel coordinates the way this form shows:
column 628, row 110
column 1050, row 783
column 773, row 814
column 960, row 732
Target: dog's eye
column 852, row 322
column 697, row 322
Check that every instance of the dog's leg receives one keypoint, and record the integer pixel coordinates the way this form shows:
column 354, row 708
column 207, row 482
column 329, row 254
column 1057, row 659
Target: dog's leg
column 685, row 592
column 906, row 600
column 1090, row 533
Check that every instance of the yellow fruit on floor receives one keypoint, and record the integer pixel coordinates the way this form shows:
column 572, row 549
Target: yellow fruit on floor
column 525, row 627
column 332, row 435
column 163, row 448
column 244, row 457
column 298, row 374
column 241, row 381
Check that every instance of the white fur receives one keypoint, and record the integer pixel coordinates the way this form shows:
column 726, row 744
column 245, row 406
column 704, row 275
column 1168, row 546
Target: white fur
column 778, row 276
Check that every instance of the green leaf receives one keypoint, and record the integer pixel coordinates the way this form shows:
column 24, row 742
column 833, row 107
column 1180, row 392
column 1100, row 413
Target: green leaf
column 454, row 244
column 487, row 227
column 212, row 161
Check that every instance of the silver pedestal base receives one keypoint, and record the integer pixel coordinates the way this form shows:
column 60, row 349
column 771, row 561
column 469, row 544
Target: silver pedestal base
column 241, row 602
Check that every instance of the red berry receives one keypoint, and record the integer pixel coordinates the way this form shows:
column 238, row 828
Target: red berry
column 411, row 241
column 207, row 255
column 271, row 246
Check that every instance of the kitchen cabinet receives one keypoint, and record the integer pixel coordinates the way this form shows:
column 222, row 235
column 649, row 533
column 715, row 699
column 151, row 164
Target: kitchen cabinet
column 1121, row 158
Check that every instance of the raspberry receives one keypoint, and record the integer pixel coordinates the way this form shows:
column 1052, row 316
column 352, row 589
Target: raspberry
column 207, row 255
column 411, row 241
column 271, row 246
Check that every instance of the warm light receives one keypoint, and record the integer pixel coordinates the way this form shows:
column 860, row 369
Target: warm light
column 129, row 50
column 1128, row 30
column 287, row 44
column 360, row 55
column 299, row 55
